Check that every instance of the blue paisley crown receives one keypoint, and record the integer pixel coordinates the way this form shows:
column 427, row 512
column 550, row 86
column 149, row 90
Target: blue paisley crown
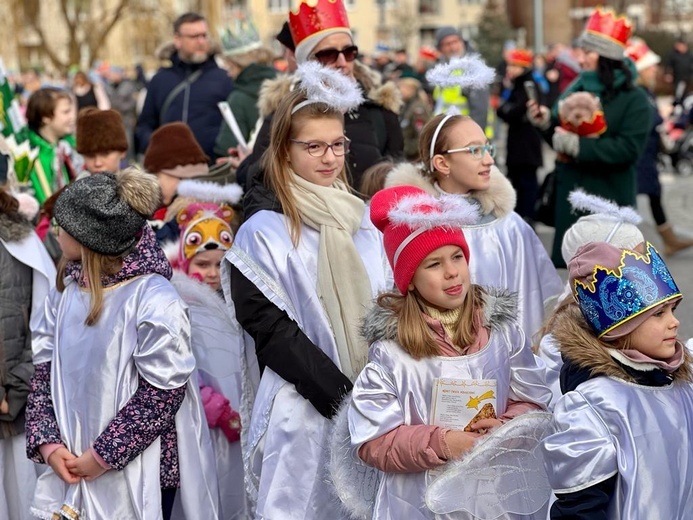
column 615, row 296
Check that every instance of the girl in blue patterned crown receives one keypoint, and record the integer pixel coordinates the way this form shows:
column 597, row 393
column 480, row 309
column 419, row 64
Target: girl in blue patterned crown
column 625, row 421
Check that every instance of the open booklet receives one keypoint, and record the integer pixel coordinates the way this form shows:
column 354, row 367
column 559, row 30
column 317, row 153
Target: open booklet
column 459, row 403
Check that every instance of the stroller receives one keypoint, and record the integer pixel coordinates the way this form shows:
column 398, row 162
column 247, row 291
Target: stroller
column 677, row 151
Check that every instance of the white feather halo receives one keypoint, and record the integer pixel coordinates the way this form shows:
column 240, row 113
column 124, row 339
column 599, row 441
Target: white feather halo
column 466, row 72
column 329, row 86
column 426, row 211
column 210, row 191
column 587, row 202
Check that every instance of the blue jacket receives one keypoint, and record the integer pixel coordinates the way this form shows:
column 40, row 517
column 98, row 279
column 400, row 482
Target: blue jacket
column 195, row 105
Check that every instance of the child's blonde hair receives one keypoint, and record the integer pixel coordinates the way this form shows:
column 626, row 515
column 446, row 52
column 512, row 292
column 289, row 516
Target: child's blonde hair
column 373, row 179
column 94, row 267
column 275, row 161
column 414, row 334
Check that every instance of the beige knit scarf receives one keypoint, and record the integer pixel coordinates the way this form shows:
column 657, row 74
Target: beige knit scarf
column 343, row 284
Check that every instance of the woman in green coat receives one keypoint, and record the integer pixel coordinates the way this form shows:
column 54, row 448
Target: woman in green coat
column 603, row 165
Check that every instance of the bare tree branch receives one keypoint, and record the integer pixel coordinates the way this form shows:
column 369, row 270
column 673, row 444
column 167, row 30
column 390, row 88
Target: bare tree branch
column 96, row 43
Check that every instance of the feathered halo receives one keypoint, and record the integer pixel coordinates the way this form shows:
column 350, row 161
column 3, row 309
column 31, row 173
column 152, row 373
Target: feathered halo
column 210, row 191
column 466, row 72
column 423, row 211
column 587, row 202
column 323, row 85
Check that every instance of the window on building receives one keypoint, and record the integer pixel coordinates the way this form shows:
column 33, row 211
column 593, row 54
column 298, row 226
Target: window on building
column 279, row 5
column 429, row 7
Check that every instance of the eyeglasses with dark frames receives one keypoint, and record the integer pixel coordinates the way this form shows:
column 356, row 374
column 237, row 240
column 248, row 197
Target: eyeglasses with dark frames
column 477, row 151
column 329, row 56
column 319, row 148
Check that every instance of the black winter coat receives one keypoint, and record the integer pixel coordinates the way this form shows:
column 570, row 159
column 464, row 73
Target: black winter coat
column 524, row 140
column 195, row 105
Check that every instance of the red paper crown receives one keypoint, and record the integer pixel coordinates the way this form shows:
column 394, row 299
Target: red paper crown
column 607, row 24
column 325, row 14
column 520, row 57
column 593, row 128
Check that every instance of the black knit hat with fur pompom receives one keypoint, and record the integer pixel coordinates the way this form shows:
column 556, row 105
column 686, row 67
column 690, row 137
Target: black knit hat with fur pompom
column 105, row 212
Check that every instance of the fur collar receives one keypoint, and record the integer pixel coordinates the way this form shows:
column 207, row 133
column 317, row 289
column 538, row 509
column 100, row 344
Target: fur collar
column 580, row 347
column 387, row 96
column 499, row 199
column 14, row 227
column 500, row 307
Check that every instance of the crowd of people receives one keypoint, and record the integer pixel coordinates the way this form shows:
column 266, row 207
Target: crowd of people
column 325, row 299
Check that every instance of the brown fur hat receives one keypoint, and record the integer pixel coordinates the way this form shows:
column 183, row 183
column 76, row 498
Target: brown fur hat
column 100, row 131
column 174, row 151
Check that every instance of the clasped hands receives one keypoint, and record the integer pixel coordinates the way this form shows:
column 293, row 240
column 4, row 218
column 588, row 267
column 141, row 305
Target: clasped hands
column 460, row 442
column 71, row 469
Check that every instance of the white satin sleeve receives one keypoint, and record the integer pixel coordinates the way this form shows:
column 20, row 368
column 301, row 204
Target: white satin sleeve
column 164, row 355
column 581, row 452
column 43, row 329
column 527, row 371
column 548, row 352
column 375, row 407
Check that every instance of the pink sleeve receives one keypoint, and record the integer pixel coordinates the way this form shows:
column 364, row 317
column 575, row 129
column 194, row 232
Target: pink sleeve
column 516, row 408
column 407, row 449
column 47, row 450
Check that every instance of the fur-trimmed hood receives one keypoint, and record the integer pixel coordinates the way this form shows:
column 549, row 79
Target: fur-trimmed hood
column 14, row 227
column 499, row 199
column 387, row 95
column 579, row 346
column 500, row 308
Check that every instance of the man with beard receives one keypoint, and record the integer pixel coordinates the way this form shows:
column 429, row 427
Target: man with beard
column 189, row 89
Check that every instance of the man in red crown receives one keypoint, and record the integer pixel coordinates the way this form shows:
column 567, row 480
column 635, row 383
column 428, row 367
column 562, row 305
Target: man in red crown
column 321, row 33
column 603, row 166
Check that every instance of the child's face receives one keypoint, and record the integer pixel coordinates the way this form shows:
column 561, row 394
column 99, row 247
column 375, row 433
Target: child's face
column 63, row 121
column 442, row 278
column 103, row 162
column 656, row 336
column 459, row 172
column 169, row 187
column 207, row 266
column 71, row 249
column 324, row 170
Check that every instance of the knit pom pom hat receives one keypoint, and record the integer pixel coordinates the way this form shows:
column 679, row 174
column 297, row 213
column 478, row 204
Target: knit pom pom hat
column 100, row 131
column 173, row 150
column 105, row 212
column 414, row 224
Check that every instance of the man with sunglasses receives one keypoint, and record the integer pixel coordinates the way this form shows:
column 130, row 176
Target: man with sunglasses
column 189, row 89
column 373, row 128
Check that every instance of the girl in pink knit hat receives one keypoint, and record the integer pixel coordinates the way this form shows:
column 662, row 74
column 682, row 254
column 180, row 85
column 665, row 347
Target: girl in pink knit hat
column 447, row 360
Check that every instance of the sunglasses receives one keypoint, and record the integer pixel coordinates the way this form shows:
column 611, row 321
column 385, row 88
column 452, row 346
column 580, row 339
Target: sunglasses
column 329, row 56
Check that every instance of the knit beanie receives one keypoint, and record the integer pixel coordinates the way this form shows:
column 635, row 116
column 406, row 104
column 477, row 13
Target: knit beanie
column 204, row 227
column 444, row 32
column 173, row 150
column 606, row 34
column 100, row 131
column 312, row 24
column 618, row 289
column 641, row 54
column 105, row 212
column 603, row 228
column 414, row 224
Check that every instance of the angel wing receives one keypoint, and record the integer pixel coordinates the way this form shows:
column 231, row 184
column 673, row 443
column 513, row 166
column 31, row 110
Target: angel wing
column 502, row 477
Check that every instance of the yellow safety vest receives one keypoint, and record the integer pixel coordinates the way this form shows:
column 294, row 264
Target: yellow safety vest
column 453, row 97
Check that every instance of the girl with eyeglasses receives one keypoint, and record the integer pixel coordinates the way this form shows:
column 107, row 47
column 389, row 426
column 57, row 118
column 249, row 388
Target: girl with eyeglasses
column 302, row 271
column 457, row 160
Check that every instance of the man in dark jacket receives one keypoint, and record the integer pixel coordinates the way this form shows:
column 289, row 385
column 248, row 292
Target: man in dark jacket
column 189, row 89
column 679, row 69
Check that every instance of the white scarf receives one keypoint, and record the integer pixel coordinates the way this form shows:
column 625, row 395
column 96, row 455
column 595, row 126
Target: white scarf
column 343, row 284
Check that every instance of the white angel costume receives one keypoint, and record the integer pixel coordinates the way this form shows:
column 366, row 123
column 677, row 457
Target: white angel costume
column 505, row 250
column 395, row 389
column 143, row 331
column 217, row 342
column 285, row 437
